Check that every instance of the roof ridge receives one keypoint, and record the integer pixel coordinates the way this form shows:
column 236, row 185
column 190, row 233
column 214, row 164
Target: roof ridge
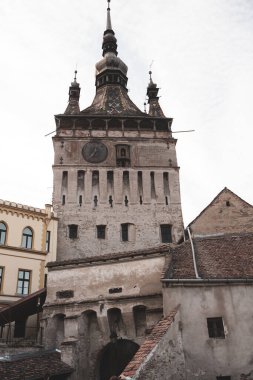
column 215, row 198
column 158, row 331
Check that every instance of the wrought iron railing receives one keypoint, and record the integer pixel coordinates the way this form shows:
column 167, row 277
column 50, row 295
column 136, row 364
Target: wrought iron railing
column 29, row 336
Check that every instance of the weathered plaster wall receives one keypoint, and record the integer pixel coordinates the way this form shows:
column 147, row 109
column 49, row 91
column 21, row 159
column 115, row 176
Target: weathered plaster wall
column 206, row 358
column 226, row 214
column 166, row 361
column 93, row 281
column 79, row 326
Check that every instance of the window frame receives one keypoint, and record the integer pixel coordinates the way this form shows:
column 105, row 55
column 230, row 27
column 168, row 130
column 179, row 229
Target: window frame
column 164, row 233
column 73, row 231
column 27, row 239
column 3, row 232
column 1, row 278
column 124, row 233
column 101, row 231
column 215, row 327
column 48, row 240
column 24, row 281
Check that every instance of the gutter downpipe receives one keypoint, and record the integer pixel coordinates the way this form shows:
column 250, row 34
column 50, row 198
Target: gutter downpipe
column 193, row 254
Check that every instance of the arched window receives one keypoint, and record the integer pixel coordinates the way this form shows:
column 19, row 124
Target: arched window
column 27, row 238
column 3, row 230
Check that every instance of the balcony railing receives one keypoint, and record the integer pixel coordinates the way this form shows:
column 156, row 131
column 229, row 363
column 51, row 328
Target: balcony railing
column 30, row 336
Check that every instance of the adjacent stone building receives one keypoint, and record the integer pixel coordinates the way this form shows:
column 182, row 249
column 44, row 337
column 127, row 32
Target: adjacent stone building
column 207, row 301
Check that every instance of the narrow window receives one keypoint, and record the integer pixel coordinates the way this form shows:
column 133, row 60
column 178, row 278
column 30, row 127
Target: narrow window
column 45, row 280
column 126, row 180
column 110, row 182
column 1, row 277
column 3, row 230
column 166, row 188
column 166, row 236
column 124, row 232
column 152, row 182
column 215, row 328
column 63, row 200
column 48, row 237
column 73, row 228
column 101, row 232
column 80, row 200
column 64, row 180
column 19, row 328
column 140, row 186
column 80, row 180
column 27, row 238
column 95, row 186
column 24, row 277
column 223, row 378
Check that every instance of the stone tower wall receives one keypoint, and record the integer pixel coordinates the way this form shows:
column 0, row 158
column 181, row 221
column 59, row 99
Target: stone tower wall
column 145, row 194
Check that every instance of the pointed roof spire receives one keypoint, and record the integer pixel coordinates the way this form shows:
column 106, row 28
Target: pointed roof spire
column 108, row 22
column 109, row 40
column 153, row 98
column 74, row 95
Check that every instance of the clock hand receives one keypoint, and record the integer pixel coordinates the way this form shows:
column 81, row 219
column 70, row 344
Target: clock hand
column 93, row 153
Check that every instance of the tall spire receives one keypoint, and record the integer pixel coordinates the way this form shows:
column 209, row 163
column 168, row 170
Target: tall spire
column 109, row 40
column 74, row 95
column 111, row 80
column 109, row 22
column 153, row 98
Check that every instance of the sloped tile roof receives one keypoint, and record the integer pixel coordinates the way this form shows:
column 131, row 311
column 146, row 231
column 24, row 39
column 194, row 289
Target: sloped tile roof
column 33, row 366
column 161, row 249
column 227, row 256
column 153, row 339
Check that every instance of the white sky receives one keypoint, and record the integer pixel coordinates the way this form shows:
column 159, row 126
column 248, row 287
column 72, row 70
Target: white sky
column 203, row 62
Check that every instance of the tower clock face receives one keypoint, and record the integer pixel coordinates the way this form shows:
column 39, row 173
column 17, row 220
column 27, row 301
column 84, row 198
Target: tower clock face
column 95, row 152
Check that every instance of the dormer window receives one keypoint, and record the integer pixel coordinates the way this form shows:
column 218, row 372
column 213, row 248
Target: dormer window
column 123, row 155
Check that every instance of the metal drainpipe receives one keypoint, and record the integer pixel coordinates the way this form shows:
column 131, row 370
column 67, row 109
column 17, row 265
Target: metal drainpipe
column 193, row 254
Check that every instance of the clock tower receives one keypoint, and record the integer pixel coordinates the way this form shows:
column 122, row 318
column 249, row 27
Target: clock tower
column 116, row 177
column 117, row 197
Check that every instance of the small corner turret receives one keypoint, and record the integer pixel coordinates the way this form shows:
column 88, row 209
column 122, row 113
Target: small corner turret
column 153, row 99
column 74, row 95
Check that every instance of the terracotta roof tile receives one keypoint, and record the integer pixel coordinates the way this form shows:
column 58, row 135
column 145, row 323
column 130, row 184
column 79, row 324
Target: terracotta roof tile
column 33, row 366
column 153, row 339
column 227, row 256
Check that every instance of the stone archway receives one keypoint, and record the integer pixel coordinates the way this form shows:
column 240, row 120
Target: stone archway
column 115, row 356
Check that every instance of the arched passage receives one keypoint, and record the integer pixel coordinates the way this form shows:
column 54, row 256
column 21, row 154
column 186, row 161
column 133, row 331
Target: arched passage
column 115, row 356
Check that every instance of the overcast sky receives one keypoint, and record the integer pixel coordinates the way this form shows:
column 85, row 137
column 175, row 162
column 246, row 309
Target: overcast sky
column 203, row 62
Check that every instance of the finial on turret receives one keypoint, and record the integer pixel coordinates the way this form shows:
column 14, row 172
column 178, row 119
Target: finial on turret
column 108, row 22
column 153, row 98
column 74, row 95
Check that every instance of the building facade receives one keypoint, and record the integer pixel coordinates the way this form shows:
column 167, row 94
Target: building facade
column 28, row 238
column 117, row 196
